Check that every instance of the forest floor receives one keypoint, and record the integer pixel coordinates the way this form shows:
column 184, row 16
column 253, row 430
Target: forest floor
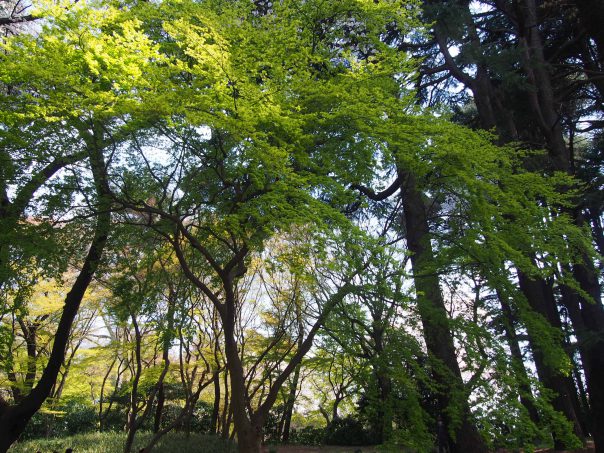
column 113, row 442
column 335, row 449
column 322, row 449
column 589, row 448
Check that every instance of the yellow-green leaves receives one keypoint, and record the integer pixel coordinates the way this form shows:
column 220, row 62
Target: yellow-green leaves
column 87, row 60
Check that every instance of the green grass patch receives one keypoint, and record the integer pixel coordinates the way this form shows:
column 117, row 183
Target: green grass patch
column 112, row 442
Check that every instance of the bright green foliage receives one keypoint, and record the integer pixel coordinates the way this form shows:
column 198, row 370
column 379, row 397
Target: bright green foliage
column 234, row 139
column 112, row 442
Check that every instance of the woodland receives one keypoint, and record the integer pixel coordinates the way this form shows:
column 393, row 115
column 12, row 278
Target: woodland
column 365, row 223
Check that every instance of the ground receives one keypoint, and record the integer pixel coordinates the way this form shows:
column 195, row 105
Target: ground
column 113, row 442
column 328, row 449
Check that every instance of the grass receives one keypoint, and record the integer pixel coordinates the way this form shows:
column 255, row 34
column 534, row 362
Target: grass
column 112, row 442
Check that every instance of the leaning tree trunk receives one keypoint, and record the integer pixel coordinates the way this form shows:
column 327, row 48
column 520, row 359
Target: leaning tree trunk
column 540, row 300
column 14, row 418
column 463, row 434
column 524, row 388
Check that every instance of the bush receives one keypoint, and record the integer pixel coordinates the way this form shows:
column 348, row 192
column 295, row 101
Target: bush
column 72, row 418
column 308, row 435
column 346, row 431
column 79, row 418
column 42, row 424
column 198, row 423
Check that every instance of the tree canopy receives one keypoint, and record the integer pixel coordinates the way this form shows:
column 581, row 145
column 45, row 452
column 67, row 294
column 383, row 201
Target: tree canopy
column 363, row 222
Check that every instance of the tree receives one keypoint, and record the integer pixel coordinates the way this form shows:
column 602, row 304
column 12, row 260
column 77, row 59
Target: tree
column 526, row 95
column 38, row 98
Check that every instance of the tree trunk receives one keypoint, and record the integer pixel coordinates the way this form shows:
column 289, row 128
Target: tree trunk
column 537, row 293
column 13, row 419
column 289, row 405
column 132, row 416
column 159, row 409
column 463, row 435
column 592, row 348
column 216, row 406
column 524, row 389
column 249, row 434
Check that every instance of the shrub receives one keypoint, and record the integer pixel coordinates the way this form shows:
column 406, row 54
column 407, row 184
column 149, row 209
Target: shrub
column 308, row 435
column 79, row 418
column 346, row 431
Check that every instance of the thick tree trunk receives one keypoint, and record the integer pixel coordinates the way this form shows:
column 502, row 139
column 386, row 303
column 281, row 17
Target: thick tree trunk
column 537, row 293
column 464, row 436
column 384, row 412
column 249, row 434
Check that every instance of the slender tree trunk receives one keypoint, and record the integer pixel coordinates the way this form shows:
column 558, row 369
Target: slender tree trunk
column 524, row 389
column 289, row 405
column 132, row 425
column 102, row 394
column 225, row 419
column 167, row 342
column 216, row 406
column 13, row 419
column 161, row 398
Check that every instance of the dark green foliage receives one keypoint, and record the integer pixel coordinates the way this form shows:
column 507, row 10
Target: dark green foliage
column 80, row 418
column 271, row 428
column 73, row 418
column 346, row 431
column 309, row 435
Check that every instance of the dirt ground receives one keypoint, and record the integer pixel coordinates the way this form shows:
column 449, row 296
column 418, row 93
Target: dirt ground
column 303, row 449
column 332, row 449
column 589, row 448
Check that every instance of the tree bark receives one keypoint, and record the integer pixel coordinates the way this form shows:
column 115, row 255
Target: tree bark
column 524, row 389
column 13, row 419
column 216, row 406
column 537, row 294
column 289, row 406
column 463, row 435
